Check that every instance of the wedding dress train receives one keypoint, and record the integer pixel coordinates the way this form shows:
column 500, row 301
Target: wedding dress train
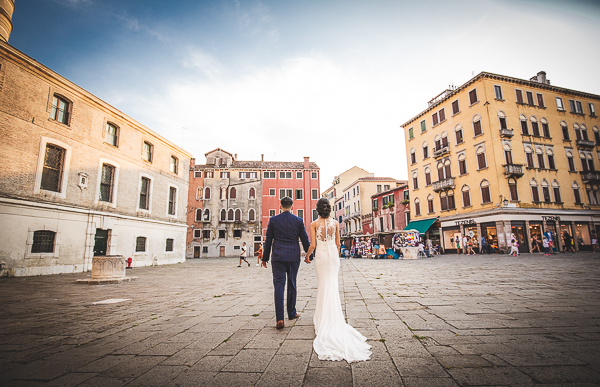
column 336, row 340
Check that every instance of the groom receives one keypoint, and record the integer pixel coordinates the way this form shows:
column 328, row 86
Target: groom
column 281, row 242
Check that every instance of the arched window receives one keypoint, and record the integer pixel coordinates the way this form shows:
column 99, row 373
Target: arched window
column 596, row 135
column 502, row 119
column 415, row 180
column 413, row 156
column 251, row 193
column 427, row 176
column 535, row 194
column 112, row 134
column 512, row 188
column 232, row 193
column 545, row 191
column 507, row 154
column 230, row 215
column 440, row 168
column 540, row 158
column 430, row 208
column 458, row 131
column 477, row 130
column 223, row 191
column 425, row 150
column 524, row 127
column 238, row 215
column 199, row 193
column 438, row 142
column 584, row 164
column 444, row 139
column 485, row 192
column 584, row 133
column 535, row 129
column 565, row 130
column 447, row 200
column 466, row 196
column 417, row 207
column 447, row 169
column 571, row 161
column 462, row 164
column 576, row 193
column 577, row 131
column 556, row 190
column 550, row 154
column 207, row 193
column 251, row 215
column 199, row 215
column 206, row 215
column 481, row 162
column 529, row 156
column 545, row 127
column 223, row 215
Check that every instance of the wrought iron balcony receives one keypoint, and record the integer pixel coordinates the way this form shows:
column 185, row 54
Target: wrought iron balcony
column 589, row 176
column 514, row 170
column 506, row 132
column 443, row 184
column 441, row 152
column 585, row 144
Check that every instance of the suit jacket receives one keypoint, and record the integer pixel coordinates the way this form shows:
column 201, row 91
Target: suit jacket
column 281, row 242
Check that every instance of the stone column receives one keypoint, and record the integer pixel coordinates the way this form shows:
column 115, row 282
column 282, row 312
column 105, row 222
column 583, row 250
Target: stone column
column 442, row 239
column 479, row 236
column 500, row 230
column 527, row 236
column 558, row 236
column 574, row 236
column 462, row 238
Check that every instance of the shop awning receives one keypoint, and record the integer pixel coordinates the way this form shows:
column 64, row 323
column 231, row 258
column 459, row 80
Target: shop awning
column 420, row 225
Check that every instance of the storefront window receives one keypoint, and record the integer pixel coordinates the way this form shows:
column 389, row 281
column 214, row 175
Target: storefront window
column 582, row 233
column 490, row 234
column 535, row 230
column 519, row 231
column 472, row 232
column 451, row 238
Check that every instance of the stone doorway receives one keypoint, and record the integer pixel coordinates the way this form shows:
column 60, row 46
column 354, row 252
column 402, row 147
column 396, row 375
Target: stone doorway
column 196, row 251
column 100, row 242
column 221, row 251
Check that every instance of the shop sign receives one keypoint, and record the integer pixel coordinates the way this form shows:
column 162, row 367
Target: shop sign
column 462, row 222
column 551, row 218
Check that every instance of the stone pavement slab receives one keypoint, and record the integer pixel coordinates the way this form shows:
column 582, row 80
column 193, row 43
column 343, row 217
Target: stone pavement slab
column 445, row 321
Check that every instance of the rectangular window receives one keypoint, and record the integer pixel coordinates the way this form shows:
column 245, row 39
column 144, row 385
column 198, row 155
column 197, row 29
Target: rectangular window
column 459, row 136
column 172, row 200
column 315, row 216
column 425, row 153
column 111, row 134
column 301, row 214
column 540, row 158
column 169, row 246
column 576, row 195
column 386, row 187
column 375, row 204
column 462, row 166
column 442, row 114
column 299, row 194
column 209, row 174
column 540, row 99
column 529, row 98
column 557, row 198
column 174, row 165
column 572, row 106
column 197, row 174
column 197, row 233
column 434, row 119
column 247, row 175
column 546, row 193
column 535, row 194
column 271, row 212
column 524, row 128
column 519, row 95
column 592, row 110
column 269, row 175
column 559, row 104
column 529, row 159
column 206, row 235
column 224, row 175
column 455, row 107
column 221, row 234
column 423, row 126
column 147, row 151
column 145, row 194
column 59, row 110
column 378, row 188
column 411, row 134
column 285, row 174
column 52, row 173
column 481, row 161
column 417, row 209
column 237, row 233
column 551, row 164
column 477, row 128
column 466, row 198
column 473, row 96
column 545, row 130
column 285, row 192
column 503, row 123
column 535, row 129
column 485, row 194
column 298, row 174
column 315, row 194
column 272, row 192
column 106, row 183
column 43, row 241
column 578, row 107
column 314, row 175
column 498, row 92
column 140, row 244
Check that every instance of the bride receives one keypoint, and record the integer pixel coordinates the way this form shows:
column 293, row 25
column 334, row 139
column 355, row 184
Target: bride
column 335, row 339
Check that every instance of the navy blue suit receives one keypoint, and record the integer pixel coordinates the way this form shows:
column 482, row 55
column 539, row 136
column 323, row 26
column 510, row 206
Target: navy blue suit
column 281, row 244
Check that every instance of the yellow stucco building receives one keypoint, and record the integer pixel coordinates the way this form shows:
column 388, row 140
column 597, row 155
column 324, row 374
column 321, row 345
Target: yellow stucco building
column 500, row 155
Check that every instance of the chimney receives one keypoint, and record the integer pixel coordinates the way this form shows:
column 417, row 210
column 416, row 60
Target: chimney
column 235, row 157
column 262, row 157
column 306, row 163
column 192, row 162
column 540, row 77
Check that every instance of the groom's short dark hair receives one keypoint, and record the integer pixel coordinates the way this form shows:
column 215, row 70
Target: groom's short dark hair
column 287, row 203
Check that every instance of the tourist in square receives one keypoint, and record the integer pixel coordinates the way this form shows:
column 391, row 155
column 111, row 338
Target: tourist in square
column 259, row 255
column 594, row 237
column 243, row 255
column 534, row 244
column 546, row 244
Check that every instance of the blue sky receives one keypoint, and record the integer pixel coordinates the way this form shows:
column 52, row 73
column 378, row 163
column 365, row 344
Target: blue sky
column 332, row 80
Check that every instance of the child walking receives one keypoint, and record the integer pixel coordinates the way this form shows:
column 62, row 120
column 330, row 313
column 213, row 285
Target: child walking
column 546, row 245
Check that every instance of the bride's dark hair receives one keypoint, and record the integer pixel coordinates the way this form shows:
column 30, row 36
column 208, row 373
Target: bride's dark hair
column 323, row 208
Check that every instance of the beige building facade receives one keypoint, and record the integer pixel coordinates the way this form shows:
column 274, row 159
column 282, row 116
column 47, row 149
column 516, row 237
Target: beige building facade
column 80, row 178
column 334, row 192
column 501, row 155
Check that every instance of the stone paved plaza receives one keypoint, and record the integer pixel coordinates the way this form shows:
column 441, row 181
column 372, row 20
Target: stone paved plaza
column 444, row 321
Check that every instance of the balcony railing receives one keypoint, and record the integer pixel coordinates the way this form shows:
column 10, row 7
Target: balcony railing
column 355, row 214
column 590, row 176
column 443, row 184
column 585, row 144
column 440, row 152
column 515, row 170
column 506, row 132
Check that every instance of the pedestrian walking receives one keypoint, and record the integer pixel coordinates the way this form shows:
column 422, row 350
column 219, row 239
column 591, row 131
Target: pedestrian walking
column 243, row 255
column 470, row 250
column 546, row 246
column 484, row 246
column 514, row 245
column 259, row 255
column 550, row 238
column 567, row 243
column 458, row 244
column 465, row 242
column 594, row 237
column 534, row 244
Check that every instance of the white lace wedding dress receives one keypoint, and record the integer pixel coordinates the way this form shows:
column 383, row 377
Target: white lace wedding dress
column 336, row 340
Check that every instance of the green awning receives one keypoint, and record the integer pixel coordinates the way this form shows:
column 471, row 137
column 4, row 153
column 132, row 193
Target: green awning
column 420, row 225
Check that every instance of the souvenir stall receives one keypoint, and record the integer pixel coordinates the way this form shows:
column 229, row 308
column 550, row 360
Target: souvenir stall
column 363, row 247
column 406, row 244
